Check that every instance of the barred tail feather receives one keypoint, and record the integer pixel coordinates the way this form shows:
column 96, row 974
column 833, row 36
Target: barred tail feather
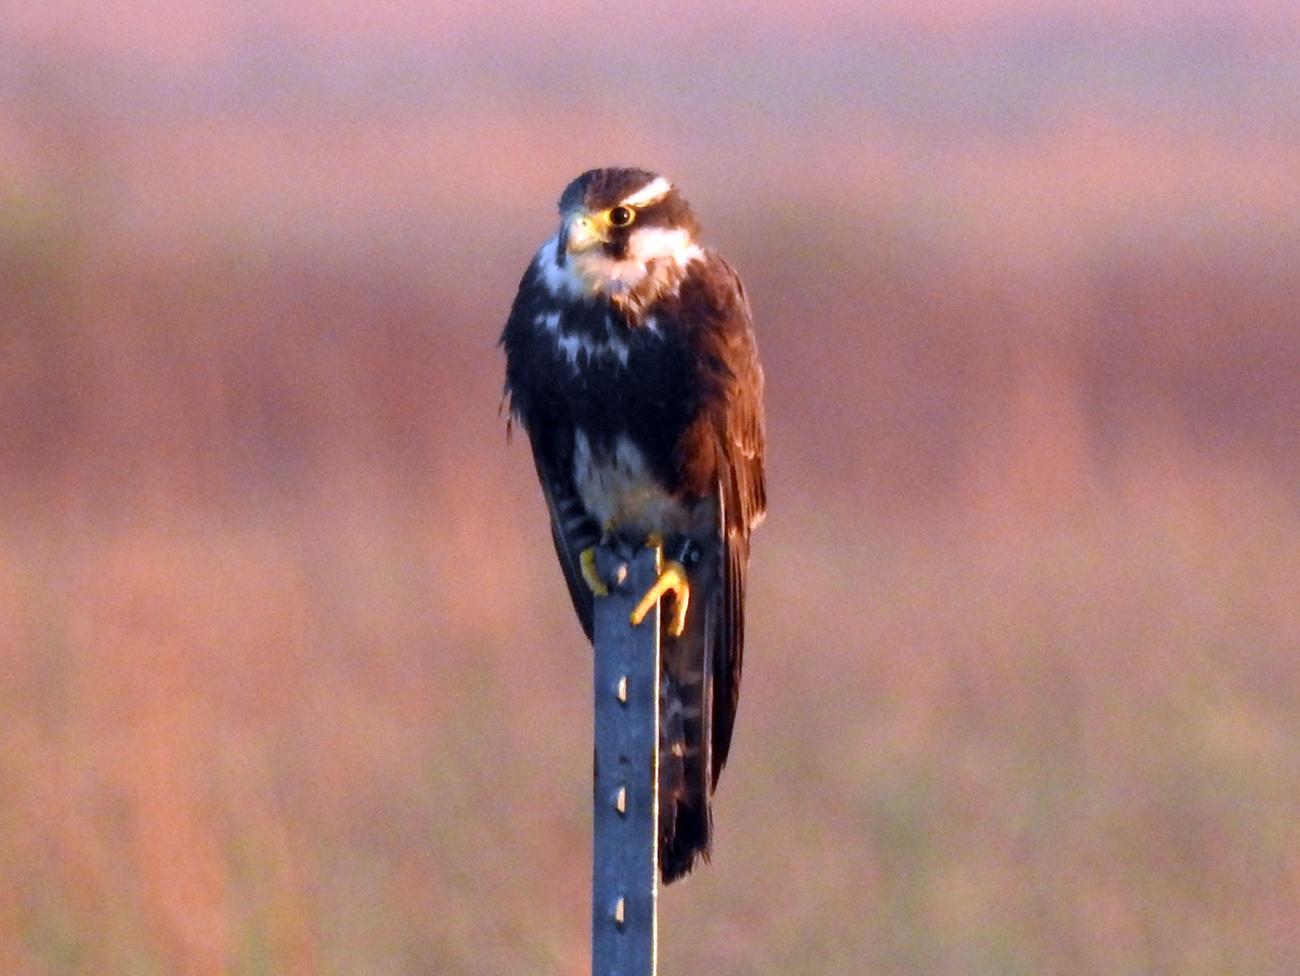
column 685, row 755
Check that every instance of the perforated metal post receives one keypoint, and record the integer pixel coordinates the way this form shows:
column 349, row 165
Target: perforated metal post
column 625, row 824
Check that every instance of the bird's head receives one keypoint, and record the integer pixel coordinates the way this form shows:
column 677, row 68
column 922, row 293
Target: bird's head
column 625, row 234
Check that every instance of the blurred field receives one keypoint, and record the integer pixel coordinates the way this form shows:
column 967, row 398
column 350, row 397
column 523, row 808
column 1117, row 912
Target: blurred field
column 288, row 681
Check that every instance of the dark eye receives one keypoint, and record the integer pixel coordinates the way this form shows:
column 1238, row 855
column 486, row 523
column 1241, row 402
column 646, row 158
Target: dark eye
column 621, row 216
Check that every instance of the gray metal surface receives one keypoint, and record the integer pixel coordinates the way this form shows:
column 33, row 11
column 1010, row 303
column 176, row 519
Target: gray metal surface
column 625, row 823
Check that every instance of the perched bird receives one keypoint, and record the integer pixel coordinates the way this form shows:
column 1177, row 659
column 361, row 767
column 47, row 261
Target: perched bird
column 631, row 364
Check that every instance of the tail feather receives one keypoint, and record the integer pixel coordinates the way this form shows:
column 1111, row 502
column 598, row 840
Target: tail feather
column 685, row 754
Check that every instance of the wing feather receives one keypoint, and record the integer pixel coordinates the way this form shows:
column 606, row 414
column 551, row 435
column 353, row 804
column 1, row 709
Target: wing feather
column 742, row 488
column 572, row 530
column 533, row 400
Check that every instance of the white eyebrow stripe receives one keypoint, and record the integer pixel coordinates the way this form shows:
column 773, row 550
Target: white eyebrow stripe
column 656, row 189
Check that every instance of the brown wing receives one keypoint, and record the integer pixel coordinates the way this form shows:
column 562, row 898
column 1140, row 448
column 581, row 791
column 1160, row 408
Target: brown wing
column 572, row 529
column 742, row 488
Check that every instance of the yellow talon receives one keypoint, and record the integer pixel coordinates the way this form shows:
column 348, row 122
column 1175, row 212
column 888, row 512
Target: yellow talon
column 588, row 562
column 672, row 578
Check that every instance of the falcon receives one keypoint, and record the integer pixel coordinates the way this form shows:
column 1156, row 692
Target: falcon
column 631, row 364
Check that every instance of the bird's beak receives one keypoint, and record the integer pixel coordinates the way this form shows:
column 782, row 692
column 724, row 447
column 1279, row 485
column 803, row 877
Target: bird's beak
column 582, row 232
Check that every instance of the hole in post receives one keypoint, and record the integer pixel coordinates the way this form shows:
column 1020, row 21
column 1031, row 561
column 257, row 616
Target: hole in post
column 619, row 916
column 620, row 800
column 622, row 690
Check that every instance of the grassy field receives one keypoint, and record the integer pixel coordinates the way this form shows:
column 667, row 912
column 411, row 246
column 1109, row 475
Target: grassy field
column 349, row 734
column 289, row 683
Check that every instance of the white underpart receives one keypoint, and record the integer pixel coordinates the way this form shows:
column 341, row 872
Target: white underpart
column 570, row 344
column 652, row 192
column 620, row 489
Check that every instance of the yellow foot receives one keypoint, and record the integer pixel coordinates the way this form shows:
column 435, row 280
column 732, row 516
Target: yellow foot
column 588, row 561
column 672, row 579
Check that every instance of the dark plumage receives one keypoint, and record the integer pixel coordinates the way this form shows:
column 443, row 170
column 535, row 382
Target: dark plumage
column 631, row 364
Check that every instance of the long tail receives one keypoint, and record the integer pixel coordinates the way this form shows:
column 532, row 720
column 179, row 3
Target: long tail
column 685, row 744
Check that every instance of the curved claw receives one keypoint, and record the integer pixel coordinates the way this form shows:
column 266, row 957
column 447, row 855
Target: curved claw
column 587, row 559
column 672, row 578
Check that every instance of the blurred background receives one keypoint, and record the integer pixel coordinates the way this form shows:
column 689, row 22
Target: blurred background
column 289, row 682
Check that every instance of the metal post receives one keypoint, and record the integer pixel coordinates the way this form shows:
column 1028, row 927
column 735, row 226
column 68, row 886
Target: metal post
column 625, row 827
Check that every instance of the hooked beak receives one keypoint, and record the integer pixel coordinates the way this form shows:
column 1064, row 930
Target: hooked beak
column 582, row 232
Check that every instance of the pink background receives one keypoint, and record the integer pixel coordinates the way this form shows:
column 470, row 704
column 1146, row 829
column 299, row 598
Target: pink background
column 288, row 680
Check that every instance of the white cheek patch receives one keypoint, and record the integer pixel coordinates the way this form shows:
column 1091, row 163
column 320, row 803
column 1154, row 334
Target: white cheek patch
column 656, row 259
column 659, row 243
column 587, row 272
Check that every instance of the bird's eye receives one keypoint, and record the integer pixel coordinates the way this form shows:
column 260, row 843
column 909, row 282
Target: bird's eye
column 622, row 216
